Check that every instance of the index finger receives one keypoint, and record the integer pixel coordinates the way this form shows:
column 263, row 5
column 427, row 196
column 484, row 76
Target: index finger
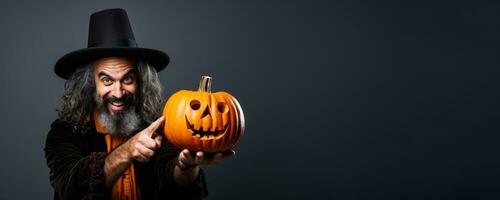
column 155, row 125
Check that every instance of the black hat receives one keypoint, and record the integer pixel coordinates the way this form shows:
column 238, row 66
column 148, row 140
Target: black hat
column 110, row 34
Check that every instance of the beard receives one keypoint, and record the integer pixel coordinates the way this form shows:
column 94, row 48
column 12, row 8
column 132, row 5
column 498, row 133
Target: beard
column 119, row 123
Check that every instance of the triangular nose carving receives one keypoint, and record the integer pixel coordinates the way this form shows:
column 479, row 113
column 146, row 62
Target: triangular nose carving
column 206, row 112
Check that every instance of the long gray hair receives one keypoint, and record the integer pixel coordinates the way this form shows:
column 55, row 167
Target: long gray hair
column 78, row 99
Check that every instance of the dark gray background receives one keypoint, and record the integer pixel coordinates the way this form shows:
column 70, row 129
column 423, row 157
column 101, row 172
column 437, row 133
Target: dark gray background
column 342, row 99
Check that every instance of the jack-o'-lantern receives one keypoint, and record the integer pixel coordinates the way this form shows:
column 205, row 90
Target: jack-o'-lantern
column 202, row 120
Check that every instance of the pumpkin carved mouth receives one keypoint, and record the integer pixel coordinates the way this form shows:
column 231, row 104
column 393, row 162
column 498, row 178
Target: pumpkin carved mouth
column 206, row 135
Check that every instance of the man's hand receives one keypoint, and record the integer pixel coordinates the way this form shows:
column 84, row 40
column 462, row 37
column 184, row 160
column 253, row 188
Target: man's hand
column 188, row 166
column 140, row 147
column 186, row 160
column 143, row 144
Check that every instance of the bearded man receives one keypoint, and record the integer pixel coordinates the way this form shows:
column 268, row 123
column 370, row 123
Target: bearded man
column 107, row 142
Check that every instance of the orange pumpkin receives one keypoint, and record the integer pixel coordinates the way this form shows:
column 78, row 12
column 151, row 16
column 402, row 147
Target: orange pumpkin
column 203, row 121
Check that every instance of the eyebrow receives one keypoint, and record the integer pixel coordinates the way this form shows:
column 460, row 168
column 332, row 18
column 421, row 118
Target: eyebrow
column 130, row 71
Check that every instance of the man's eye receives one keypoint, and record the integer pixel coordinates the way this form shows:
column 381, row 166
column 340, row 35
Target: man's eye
column 128, row 80
column 107, row 81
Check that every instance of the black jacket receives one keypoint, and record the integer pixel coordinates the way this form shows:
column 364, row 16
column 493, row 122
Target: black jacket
column 76, row 163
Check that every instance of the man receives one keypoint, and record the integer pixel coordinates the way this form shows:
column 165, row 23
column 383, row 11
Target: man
column 107, row 142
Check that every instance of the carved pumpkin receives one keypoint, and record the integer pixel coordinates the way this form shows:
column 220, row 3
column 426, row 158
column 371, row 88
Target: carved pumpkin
column 203, row 121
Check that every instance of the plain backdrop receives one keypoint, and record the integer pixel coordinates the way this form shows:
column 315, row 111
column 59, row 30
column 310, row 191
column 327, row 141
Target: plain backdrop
column 342, row 99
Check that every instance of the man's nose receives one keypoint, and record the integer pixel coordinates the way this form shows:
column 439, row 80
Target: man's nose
column 118, row 90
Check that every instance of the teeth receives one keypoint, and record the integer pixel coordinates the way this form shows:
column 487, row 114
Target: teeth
column 203, row 134
column 117, row 104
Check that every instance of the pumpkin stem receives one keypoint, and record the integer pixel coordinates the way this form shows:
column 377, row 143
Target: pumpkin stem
column 205, row 84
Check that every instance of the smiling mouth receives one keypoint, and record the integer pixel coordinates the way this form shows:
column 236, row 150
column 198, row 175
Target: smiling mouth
column 206, row 135
column 117, row 106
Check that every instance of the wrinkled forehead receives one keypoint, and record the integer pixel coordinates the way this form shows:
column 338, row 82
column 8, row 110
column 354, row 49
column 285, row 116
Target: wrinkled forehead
column 114, row 65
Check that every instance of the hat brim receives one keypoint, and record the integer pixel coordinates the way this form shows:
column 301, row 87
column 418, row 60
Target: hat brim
column 67, row 64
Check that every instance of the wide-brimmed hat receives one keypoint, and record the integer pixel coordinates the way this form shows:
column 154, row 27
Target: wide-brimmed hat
column 110, row 34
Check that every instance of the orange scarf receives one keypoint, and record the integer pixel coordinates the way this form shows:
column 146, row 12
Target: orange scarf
column 125, row 186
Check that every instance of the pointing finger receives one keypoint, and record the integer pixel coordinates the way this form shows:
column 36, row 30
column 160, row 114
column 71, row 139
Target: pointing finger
column 155, row 125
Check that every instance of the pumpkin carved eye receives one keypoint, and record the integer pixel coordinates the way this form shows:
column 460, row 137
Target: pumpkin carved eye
column 222, row 107
column 195, row 104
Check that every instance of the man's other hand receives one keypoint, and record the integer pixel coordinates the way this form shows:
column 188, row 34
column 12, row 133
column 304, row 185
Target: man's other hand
column 187, row 161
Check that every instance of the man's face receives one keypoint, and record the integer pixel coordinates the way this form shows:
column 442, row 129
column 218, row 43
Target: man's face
column 116, row 88
column 116, row 83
